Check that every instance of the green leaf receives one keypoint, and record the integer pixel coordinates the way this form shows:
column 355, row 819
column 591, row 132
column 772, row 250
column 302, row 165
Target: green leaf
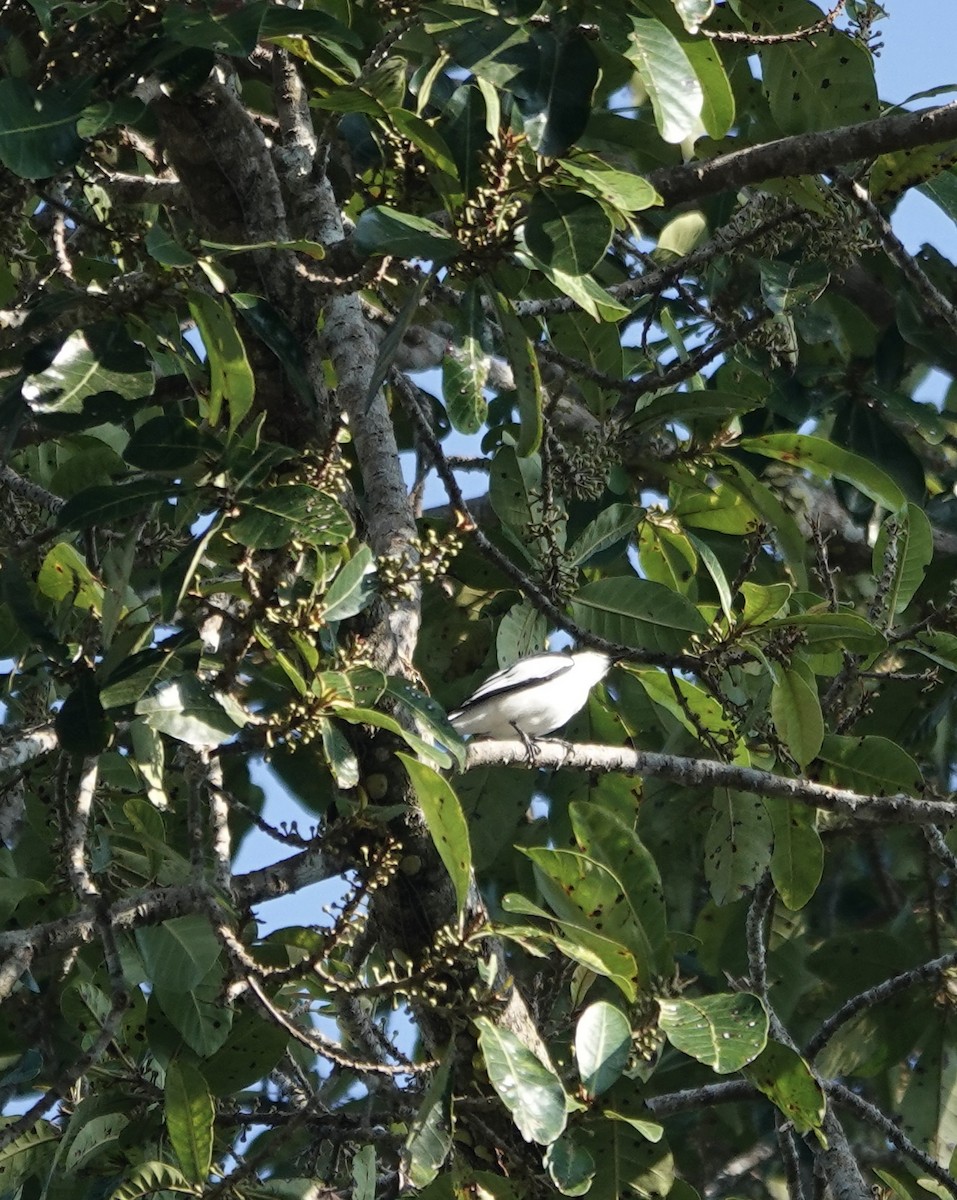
column 96, row 1136
column 870, row 765
column 38, row 134
column 637, row 612
column 446, row 824
column 668, row 76
column 627, row 192
column 531, row 1091
column 185, row 710
column 796, row 713
column 717, row 106
column 391, row 343
column 466, row 365
column 612, row 525
column 826, row 631
column 816, row 84
column 610, row 841
column 164, row 443
column 782, row 526
column 99, row 358
column 200, row 1014
column 430, row 1135
column 271, row 327
column 554, row 91
column 64, row 572
column 364, row 1173
column 792, row 285
column 693, row 13
column 587, row 895
column 109, row 505
column 179, row 953
column 252, row 1048
column 928, row 1107
column 570, row 1166
column 785, row 1078
column 430, row 716
column 353, row 588
column 797, row 860
column 737, row 845
column 276, row 516
column 234, row 31
column 230, row 375
column 82, row 727
column 369, row 716
column 340, row 756
column 521, row 632
column 150, row 1178
column 528, row 383
column 583, row 289
column 567, row 231
column 909, row 538
column 725, row 1032
column 762, row 602
column 190, row 1114
column 385, row 230
column 824, row 459
column 602, row 1046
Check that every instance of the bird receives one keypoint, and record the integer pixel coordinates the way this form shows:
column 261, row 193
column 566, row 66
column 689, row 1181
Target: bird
column 533, row 697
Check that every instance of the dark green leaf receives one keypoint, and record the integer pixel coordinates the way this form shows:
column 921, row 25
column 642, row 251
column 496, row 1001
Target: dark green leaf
column 82, row 726
column 446, row 823
column 353, row 588
column 233, row 31
column 164, row 443
column 385, row 230
column 570, row 1166
column 107, row 505
column 528, row 383
column 430, row 1137
column 637, row 612
column 288, row 512
column 554, row 91
column 38, row 134
column 786, row 1080
column 184, row 709
column 568, row 231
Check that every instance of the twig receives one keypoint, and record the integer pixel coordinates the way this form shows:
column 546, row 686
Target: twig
column 888, row 1129
column 875, row 995
column 936, row 301
column 774, row 39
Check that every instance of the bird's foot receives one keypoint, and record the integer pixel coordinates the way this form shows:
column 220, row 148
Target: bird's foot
column 531, row 746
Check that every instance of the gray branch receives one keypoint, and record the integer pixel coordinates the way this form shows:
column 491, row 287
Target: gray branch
column 805, row 154
column 897, row 809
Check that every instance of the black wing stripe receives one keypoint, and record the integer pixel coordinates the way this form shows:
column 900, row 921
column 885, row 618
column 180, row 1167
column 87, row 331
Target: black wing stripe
column 480, row 697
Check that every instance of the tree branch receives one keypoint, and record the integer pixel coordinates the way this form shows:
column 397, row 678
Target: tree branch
column 898, row 809
column 805, row 154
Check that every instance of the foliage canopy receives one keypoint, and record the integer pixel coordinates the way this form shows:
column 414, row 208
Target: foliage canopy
column 272, row 281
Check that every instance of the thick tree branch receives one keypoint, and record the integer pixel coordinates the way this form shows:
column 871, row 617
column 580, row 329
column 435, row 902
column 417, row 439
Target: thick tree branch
column 898, row 809
column 805, row 154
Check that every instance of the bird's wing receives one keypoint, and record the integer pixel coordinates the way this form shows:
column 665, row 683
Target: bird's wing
column 537, row 668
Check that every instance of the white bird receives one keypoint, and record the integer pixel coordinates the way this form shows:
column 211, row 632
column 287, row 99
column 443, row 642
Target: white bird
column 533, row 697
